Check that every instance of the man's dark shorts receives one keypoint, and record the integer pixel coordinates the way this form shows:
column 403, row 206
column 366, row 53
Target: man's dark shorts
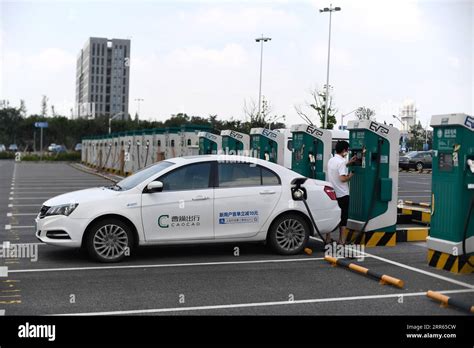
column 343, row 203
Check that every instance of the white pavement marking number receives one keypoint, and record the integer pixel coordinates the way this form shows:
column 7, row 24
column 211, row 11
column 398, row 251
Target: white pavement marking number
column 9, row 214
column 264, row 304
column 8, row 227
column 165, row 265
column 3, row 271
column 2, row 312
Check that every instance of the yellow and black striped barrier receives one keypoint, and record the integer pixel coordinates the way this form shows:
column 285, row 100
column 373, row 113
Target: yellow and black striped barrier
column 370, row 239
column 448, row 262
column 383, row 278
column 412, row 234
column 411, row 212
column 449, row 301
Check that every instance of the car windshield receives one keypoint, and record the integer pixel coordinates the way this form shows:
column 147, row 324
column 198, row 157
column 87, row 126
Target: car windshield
column 412, row 154
column 142, row 175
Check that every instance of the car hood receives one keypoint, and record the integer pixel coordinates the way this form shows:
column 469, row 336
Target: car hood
column 81, row 196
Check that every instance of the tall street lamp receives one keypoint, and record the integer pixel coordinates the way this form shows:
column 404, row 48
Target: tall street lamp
column 261, row 40
column 342, row 117
column 113, row 118
column 138, row 100
column 329, row 9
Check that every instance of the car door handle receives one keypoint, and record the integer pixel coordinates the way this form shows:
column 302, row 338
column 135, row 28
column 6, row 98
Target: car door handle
column 267, row 192
column 200, row 198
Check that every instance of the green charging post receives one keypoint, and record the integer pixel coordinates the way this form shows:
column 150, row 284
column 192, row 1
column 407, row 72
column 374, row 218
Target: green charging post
column 209, row 143
column 374, row 186
column 268, row 145
column 311, row 150
column 235, row 143
column 451, row 240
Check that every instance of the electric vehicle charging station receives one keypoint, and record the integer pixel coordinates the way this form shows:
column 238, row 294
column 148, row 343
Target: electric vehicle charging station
column 209, row 143
column 374, row 186
column 268, row 145
column 311, row 150
column 171, row 143
column 158, row 152
column 451, row 240
column 235, row 141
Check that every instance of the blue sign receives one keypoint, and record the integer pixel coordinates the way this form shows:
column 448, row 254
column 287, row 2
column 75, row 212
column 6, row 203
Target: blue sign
column 41, row 124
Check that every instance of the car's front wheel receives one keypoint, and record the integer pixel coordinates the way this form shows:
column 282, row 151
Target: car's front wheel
column 288, row 234
column 109, row 240
column 419, row 166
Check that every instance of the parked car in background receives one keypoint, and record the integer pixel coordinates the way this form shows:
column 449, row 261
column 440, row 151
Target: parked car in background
column 59, row 149
column 51, row 147
column 78, row 147
column 13, row 147
column 3, row 148
column 418, row 160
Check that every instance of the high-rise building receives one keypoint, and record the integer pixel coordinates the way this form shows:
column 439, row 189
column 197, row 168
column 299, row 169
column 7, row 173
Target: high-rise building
column 102, row 78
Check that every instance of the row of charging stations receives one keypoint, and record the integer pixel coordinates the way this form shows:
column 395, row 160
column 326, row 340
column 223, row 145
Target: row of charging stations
column 128, row 152
column 374, row 187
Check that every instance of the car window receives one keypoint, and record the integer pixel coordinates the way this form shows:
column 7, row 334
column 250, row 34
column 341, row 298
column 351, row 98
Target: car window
column 190, row 177
column 269, row 178
column 245, row 175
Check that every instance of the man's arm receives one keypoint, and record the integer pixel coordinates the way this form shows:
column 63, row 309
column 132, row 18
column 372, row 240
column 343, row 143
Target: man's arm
column 352, row 161
column 346, row 178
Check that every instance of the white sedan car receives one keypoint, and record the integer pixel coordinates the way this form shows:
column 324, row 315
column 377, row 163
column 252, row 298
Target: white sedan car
column 190, row 200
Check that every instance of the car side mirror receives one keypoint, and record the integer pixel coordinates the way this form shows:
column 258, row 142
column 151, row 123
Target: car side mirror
column 154, row 186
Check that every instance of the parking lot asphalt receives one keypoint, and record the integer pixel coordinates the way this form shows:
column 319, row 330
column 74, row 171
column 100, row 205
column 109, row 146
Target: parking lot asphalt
column 209, row 279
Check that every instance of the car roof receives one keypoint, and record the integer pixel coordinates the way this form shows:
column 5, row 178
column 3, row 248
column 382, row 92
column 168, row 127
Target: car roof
column 232, row 159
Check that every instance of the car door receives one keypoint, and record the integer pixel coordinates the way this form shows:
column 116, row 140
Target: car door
column 244, row 198
column 183, row 210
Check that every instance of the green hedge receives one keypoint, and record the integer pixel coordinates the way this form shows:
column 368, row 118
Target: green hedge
column 7, row 155
column 67, row 156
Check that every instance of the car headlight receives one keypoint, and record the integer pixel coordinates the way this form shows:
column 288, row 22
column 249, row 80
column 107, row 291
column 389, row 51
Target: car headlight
column 63, row 209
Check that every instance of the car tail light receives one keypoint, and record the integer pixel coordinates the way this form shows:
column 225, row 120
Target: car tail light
column 330, row 192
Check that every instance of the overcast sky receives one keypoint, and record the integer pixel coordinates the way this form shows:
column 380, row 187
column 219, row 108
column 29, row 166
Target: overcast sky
column 201, row 57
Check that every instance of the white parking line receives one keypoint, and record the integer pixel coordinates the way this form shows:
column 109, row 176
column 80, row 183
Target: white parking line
column 16, row 227
column 3, row 271
column 193, row 264
column 16, row 198
column 265, row 304
column 21, row 214
column 24, row 205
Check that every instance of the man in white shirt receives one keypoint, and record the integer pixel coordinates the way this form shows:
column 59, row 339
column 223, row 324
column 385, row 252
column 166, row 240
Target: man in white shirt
column 339, row 176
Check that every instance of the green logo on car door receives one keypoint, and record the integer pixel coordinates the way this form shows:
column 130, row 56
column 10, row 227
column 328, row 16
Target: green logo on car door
column 162, row 222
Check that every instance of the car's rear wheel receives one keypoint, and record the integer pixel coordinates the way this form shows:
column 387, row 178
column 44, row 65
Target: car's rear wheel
column 419, row 166
column 288, row 234
column 109, row 240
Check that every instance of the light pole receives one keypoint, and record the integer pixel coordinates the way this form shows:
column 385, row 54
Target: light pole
column 138, row 100
column 342, row 117
column 113, row 118
column 329, row 9
column 261, row 40
column 399, row 120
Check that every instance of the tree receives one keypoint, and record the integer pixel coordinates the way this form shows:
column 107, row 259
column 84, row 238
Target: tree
column 53, row 112
column 364, row 113
column 415, row 136
column 44, row 106
column 22, row 108
column 318, row 105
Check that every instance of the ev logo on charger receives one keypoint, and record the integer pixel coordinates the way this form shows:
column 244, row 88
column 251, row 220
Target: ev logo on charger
column 314, row 131
column 269, row 134
column 469, row 122
column 378, row 128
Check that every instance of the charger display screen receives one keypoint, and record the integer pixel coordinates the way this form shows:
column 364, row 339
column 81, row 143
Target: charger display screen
column 445, row 161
